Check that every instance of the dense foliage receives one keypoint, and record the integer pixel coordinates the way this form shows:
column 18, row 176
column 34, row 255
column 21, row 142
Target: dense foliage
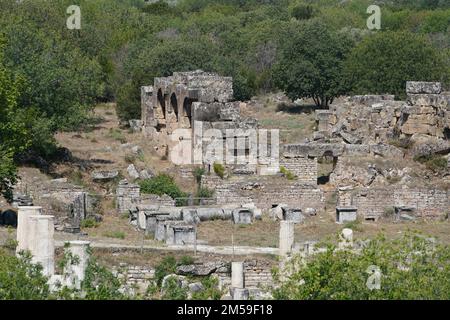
column 20, row 279
column 411, row 267
column 384, row 62
column 162, row 184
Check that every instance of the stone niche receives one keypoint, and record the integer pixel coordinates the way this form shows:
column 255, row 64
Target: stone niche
column 242, row 216
column 294, row 215
column 175, row 232
column 346, row 214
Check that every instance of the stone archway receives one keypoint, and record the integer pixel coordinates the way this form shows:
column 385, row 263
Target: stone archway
column 174, row 105
column 161, row 103
column 187, row 110
column 326, row 165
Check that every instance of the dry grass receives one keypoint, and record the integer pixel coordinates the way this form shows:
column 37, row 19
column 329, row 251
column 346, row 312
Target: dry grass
column 319, row 228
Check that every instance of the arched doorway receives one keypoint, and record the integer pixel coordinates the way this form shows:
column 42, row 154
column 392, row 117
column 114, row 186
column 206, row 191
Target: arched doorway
column 174, row 104
column 326, row 165
column 187, row 109
column 162, row 103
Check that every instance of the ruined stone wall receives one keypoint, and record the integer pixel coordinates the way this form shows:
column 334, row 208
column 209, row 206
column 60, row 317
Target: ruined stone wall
column 304, row 168
column 374, row 119
column 266, row 191
column 429, row 203
column 128, row 196
column 138, row 277
column 257, row 274
column 154, row 199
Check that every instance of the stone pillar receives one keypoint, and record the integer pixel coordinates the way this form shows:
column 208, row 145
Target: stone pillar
column 41, row 244
column 286, row 237
column 237, row 275
column 75, row 270
column 240, row 294
column 346, row 238
column 23, row 226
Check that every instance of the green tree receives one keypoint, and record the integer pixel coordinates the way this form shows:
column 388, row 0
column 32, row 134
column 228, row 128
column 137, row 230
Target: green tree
column 412, row 267
column 20, row 279
column 384, row 62
column 311, row 64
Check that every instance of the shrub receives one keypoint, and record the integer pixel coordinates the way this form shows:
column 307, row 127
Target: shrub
column 186, row 260
column 219, row 169
column 167, row 266
column 288, row 174
column 89, row 223
column 210, row 290
column 173, row 291
column 115, row 234
column 205, row 193
column 100, row 283
column 434, row 162
column 163, row 184
column 303, row 12
column 198, row 173
column 406, row 264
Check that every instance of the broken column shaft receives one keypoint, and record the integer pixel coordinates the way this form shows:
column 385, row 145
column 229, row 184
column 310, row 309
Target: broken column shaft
column 286, row 237
column 40, row 242
column 23, row 230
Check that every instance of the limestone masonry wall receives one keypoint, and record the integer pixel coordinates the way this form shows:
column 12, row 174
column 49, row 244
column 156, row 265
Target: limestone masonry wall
column 304, row 168
column 257, row 274
column 428, row 203
column 266, row 192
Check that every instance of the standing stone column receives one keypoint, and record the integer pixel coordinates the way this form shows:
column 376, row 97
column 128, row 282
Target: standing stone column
column 237, row 275
column 23, row 226
column 346, row 238
column 41, row 244
column 286, row 237
column 238, row 290
column 75, row 270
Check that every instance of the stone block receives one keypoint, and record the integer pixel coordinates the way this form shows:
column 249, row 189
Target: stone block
column 416, row 87
column 346, row 214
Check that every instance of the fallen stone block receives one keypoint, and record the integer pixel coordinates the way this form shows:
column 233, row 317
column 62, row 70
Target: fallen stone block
column 104, row 175
column 423, row 87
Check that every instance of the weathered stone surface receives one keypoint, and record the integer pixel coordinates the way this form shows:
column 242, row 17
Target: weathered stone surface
column 203, row 269
column 135, row 125
column 423, row 87
column 146, row 174
column 313, row 149
column 195, row 287
column 242, row 216
column 179, row 280
column 386, row 150
column 346, row 214
column 371, row 99
column 430, row 147
column 350, row 138
column 132, row 172
column 104, row 175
